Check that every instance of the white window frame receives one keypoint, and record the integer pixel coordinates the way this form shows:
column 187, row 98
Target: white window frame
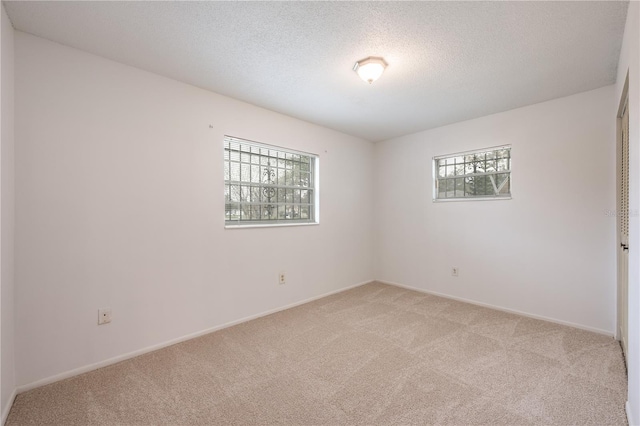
column 496, row 196
column 240, row 187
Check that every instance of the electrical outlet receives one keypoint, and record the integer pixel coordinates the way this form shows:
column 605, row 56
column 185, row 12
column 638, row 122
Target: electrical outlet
column 454, row 271
column 282, row 279
column 104, row 316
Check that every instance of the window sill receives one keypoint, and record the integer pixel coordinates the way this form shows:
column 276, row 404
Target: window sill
column 268, row 225
column 450, row 200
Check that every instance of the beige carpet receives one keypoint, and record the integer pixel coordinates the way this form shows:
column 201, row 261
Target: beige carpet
column 376, row 354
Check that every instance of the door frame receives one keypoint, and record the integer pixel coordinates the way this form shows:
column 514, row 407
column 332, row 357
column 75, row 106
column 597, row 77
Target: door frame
column 622, row 303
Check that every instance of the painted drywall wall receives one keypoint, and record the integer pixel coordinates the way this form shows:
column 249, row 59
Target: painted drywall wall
column 630, row 63
column 548, row 252
column 119, row 203
column 7, row 214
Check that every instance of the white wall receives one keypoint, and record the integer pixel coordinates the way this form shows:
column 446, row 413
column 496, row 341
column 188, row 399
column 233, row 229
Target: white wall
column 119, row 203
column 7, row 216
column 630, row 62
column 548, row 252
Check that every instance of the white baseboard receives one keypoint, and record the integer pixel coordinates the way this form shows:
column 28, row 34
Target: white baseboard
column 119, row 358
column 7, row 407
column 630, row 419
column 500, row 308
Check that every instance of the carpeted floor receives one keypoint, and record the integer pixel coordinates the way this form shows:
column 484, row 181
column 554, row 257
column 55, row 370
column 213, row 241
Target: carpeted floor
column 376, row 354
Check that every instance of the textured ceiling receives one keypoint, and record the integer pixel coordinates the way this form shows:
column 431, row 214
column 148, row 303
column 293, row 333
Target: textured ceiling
column 448, row 61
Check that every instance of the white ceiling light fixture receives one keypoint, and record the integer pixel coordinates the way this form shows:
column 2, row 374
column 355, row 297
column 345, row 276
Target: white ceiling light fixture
column 370, row 69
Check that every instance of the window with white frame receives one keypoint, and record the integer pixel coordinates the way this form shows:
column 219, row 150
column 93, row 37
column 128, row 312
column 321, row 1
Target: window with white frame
column 268, row 185
column 483, row 174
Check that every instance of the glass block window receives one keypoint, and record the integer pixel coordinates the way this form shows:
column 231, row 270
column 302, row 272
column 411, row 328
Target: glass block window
column 265, row 184
column 473, row 175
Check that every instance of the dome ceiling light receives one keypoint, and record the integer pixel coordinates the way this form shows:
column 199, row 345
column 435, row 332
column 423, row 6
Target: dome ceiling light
column 371, row 68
